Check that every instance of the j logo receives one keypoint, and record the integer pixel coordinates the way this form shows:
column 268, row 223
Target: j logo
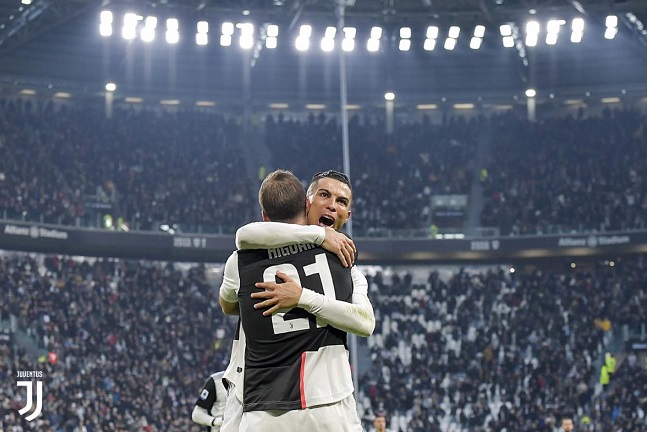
column 39, row 399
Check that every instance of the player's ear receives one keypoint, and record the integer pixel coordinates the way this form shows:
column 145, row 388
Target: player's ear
column 265, row 218
column 307, row 205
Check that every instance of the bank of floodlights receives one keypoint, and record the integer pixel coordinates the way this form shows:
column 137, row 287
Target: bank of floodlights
column 134, row 26
column 373, row 44
column 328, row 40
column 452, row 38
column 148, row 32
column 105, row 24
column 202, row 34
column 405, row 39
column 577, row 30
column 611, row 23
column 348, row 43
column 172, row 31
column 272, row 39
column 431, row 36
column 477, row 38
column 302, row 42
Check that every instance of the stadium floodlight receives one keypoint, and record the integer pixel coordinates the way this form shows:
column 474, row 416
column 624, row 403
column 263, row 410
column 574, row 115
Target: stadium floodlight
column 610, row 32
column 348, row 44
column 475, row 42
column 553, row 26
column 271, row 42
column 405, row 33
column 577, row 25
column 389, row 96
column 576, row 37
column 376, row 33
column 611, row 21
column 227, row 28
column 246, row 40
column 506, row 30
column 172, row 33
column 531, row 93
column 432, row 32
column 305, row 31
column 105, row 26
column 26, row 2
column 454, row 32
column 479, row 31
column 272, row 30
column 531, row 40
column 508, row 41
column 302, row 43
column 430, row 44
column 373, row 45
column 327, row 44
column 330, row 32
column 532, row 33
column 129, row 29
column 450, row 43
column 201, row 37
column 350, row 32
column 111, row 87
column 404, row 45
column 551, row 38
column 225, row 40
column 203, row 27
column 148, row 32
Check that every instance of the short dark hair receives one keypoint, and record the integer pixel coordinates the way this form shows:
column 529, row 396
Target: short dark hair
column 333, row 174
column 282, row 197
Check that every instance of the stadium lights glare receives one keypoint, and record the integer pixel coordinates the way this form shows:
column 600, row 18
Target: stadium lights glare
column 506, row 30
column 172, row 33
column 508, row 41
column 105, row 26
column 611, row 21
column 111, row 87
column 432, row 32
column 129, row 29
column 302, row 43
column 450, row 44
column 327, row 45
column 246, row 40
column 26, row 2
column 479, row 31
column 271, row 42
column 373, row 45
column 475, row 42
column 348, row 43
column 227, row 28
column 148, row 32
column 612, row 27
column 376, row 33
column 531, row 93
column 405, row 33
column 272, row 30
column 330, row 32
column 404, row 45
column 202, row 36
column 454, row 32
column 389, row 96
column 430, row 44
column 272, row 33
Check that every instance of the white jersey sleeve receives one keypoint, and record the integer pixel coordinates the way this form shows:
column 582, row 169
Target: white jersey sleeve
column 265, row 235
column 356, row 317
column 230, row 280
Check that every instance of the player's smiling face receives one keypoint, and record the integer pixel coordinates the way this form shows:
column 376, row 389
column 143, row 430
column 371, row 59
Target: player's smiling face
column 329, row 203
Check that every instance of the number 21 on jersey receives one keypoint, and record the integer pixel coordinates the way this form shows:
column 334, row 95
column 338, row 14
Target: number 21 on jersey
column 319, row 267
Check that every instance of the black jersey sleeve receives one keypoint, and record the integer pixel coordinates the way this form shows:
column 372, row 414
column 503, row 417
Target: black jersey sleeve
column 207, row 395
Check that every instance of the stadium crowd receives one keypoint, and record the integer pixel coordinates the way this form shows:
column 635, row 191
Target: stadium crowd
column 65, row 165
column 133, row 342
column 480, row 351
column 500, row 351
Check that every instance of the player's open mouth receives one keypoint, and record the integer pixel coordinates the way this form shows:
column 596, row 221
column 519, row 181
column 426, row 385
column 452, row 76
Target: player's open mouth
column 326, row 220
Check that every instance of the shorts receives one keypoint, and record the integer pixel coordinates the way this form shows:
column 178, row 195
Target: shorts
column 336, row 417
column 233, row 411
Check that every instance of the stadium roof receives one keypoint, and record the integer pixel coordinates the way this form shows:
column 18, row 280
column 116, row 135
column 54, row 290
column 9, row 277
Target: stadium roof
column 55, row 45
